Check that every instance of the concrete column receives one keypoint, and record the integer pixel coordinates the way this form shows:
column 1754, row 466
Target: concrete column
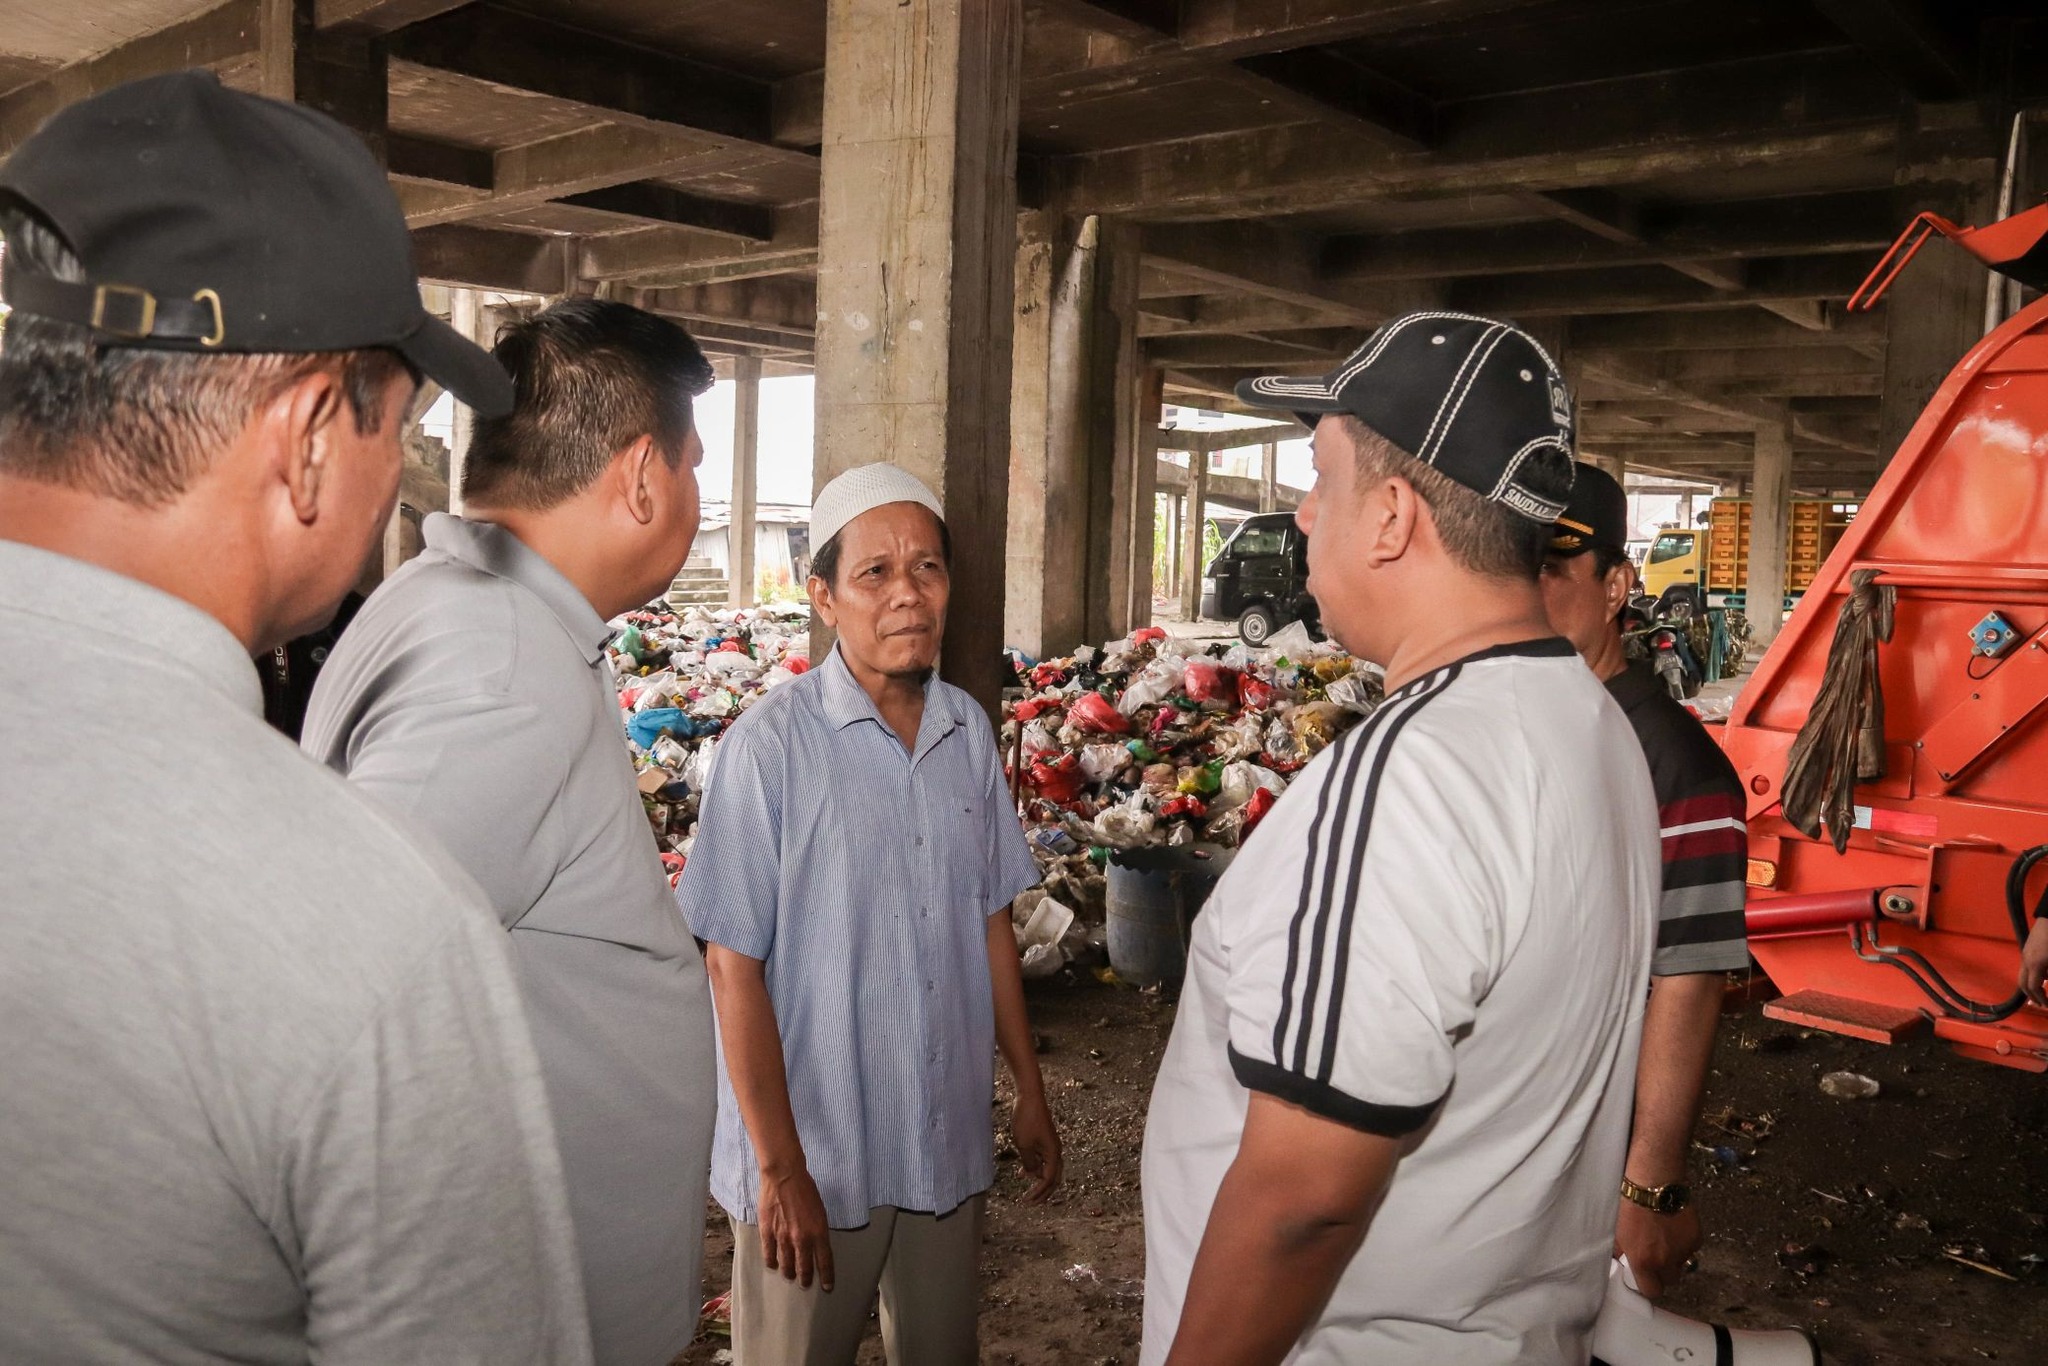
column 1193, row 523
column 1934, row 311
column 1176, row 514
column 1612, row 464
column 1032, row 495
column 1134, row 502
column 917, row 249
column 746, row 473
column 1269, row 477
column 1770, row 520
column 1070, row 402
column 465, row 315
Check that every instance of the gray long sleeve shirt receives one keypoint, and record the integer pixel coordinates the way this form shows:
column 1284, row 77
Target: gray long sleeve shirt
column 471, row 696
column 266, row 1095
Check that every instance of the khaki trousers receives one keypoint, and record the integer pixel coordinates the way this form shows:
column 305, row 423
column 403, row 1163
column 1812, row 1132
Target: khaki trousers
column 926, row 1268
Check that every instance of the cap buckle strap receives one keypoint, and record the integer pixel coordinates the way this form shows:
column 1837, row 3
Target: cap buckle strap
column 220, row 330
column 146, row 304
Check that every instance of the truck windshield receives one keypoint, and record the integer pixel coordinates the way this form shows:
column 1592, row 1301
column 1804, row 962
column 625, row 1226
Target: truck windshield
column 1259, row 540
column 1671, row 546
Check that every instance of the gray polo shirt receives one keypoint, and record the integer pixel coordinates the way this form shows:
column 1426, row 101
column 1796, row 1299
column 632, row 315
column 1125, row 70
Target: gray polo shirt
column 471, row 696
column 265, row 1092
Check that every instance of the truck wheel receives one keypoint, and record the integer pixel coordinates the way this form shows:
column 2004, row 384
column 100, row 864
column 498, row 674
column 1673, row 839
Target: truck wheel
column 1257, row 623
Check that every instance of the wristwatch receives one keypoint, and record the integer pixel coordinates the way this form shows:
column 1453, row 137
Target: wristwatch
column 1657, row 1199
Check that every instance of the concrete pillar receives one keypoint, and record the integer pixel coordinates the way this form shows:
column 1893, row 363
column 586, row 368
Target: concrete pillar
column 1934, row 311
column 746, row 472
column 1176, row 514
column 1032, row 491
column 1611, row 464
column 1071, row 398
column 1770, row 520
column 1269, row 477
column 1134, row 501
column 1193, row 523
column 917, row 249
column 465, row 315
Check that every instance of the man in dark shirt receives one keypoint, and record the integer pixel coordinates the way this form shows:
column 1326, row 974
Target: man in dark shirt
column 1586, row 581
column 288, row 671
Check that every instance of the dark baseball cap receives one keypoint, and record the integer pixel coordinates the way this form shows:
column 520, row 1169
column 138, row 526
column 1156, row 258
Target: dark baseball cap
column 209, row 220
column 1474, row 397
column 1596, row 515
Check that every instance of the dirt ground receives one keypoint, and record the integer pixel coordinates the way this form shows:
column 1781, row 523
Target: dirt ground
column 1839, row 1216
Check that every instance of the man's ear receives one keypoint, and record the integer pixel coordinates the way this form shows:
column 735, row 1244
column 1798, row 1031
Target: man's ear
column 821, row 600
column 299, row 429
column 635, row 465
column 1388, row 520
column 1620, row 580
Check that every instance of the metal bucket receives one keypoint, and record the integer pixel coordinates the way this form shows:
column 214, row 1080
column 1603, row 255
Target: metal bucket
column 1154, row 896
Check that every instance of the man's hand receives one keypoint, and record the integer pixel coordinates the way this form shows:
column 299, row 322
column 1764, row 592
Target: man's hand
column 2034, row 965
column 1657, row 1245
column 795, row 1239
column 1038, row 1146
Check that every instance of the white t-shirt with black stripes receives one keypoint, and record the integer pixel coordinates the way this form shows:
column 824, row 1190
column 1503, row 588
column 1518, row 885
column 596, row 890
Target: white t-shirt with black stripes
column 1437, row 934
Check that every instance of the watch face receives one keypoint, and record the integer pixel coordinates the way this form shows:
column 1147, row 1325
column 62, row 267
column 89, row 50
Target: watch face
column 1673, row 1198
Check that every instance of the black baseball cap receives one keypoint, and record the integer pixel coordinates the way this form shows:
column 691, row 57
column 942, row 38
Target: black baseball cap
column 210, row 220
column 1474, row 397
column 1595, row 516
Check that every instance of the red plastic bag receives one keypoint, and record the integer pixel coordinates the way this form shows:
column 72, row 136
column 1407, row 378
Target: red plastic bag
column 1164, row 720
column 1255, row 810
column 1091, row 711
column 1146, row 635
column 1032, row 706
column 1207, row 681
column 1057, row 780
column 1254, row 694
column 1048, row 676
column 1192, row 807
column 797, row 664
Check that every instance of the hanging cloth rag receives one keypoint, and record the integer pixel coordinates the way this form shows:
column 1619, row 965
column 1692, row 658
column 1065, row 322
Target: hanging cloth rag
column 1842, row 742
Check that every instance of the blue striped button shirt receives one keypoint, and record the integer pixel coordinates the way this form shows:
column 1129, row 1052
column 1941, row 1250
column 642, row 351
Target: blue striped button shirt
column 863, row 874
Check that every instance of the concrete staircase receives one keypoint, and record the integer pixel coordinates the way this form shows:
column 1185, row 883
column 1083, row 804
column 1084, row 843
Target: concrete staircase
column 700, row 584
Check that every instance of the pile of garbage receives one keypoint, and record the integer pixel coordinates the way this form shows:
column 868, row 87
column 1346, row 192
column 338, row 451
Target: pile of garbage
column 683, row 679
column 1153, row 740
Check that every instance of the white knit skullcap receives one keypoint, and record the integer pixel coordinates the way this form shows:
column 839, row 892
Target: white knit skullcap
column 860, row 490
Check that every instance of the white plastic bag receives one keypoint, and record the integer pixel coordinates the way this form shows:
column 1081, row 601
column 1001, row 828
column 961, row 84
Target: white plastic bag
column 1153, row 684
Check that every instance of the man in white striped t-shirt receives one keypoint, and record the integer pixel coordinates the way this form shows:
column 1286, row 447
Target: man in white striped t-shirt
column 1395, row 1102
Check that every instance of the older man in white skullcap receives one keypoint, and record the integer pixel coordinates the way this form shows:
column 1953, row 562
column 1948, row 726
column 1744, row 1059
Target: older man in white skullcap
column 852, row 872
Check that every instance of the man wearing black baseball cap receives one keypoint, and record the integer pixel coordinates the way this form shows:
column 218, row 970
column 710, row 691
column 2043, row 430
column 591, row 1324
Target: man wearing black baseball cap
column 1398, row 1087
column 1699, row 926
column 269, row 1091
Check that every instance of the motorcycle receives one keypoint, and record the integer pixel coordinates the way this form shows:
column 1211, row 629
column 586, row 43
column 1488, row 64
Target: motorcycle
column 1660, row 632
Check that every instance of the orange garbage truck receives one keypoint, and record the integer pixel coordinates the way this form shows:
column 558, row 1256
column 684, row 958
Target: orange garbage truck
column 1894, row 738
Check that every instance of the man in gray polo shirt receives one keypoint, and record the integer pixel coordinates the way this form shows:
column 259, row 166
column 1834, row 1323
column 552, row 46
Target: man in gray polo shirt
column 471, row 695
column 266, row 1093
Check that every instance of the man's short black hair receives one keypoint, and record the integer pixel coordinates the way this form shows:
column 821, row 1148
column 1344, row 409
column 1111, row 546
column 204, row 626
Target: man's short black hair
column 1481, row 535
column 591, row 376
column 825, row 559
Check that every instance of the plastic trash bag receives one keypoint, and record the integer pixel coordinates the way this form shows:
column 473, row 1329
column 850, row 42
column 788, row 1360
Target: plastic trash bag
column 1210, row 684
column 1154, row 684
column 1356, row 692
column 1092, row 711
column 1100, row 763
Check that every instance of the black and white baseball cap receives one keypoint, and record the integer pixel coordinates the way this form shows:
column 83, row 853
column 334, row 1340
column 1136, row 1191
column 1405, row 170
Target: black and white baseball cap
column 1478, row 399
column 210, row 220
